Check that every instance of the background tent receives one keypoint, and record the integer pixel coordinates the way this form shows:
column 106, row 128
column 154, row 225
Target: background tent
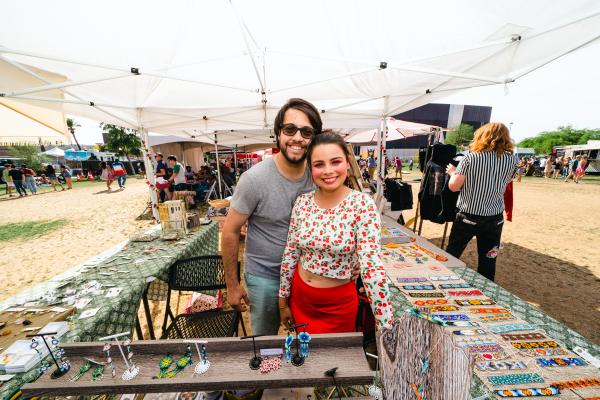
column 396, row 129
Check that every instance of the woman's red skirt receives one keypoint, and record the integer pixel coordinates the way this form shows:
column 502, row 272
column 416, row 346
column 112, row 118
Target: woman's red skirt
column 326, row 310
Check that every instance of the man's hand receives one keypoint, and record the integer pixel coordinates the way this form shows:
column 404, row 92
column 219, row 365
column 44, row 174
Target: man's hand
column 237, row 297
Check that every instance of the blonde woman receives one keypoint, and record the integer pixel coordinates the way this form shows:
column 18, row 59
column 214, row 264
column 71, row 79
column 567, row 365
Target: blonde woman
column 580, row 171
column 481, row 177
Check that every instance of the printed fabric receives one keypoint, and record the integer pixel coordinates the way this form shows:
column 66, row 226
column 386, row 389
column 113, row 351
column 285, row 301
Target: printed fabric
column 331, row 242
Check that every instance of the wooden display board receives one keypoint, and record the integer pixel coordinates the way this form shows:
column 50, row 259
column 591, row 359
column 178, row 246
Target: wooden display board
column 355, row 176
column 229, row 367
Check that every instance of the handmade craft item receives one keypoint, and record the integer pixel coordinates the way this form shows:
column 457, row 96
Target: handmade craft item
column 203, row 364
column 418, row 287
column 548, row 391
column 523, row 336
column 512, row 328
column 475, row 302
column 82, row 370
column 462, row 323
column 454, row 286
column 269, row 364
column 131, row 370
column 411, row 280
column 304, row 339
column 492, row 366
column 492, row 356
column 301, row 344
column 489, row 310
column 484, row 348
column 433, row 309
column 452, row 317
column 289, row 339
column 468, row 341
column 44, row 366
column 181, row 363
column 257, row 360
column 457, row 293
column 544, row 352
column 561, row 362
column 547, row 344
column 98, row 372
column 469, row 332
column 444, row 278
column 577, row 383
column 430, row 302
column 515, row 379
column 496, row 317
column 56, row 353
column 438, row 257
column 431, row 294
column 163, row 366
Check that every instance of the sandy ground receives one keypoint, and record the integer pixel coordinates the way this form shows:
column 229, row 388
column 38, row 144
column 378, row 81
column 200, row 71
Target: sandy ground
column 97, row 220
column 551, row 254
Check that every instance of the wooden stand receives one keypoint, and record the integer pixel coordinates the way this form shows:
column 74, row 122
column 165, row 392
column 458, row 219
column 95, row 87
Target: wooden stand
column 417, row 355
column 229, row 368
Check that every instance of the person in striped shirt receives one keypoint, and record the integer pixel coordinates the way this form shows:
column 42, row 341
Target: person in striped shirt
column 482, row 177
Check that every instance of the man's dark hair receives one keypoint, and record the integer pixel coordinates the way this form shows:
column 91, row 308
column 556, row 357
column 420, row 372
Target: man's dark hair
column 159, row 155
column 172, row 157
column 304, row 106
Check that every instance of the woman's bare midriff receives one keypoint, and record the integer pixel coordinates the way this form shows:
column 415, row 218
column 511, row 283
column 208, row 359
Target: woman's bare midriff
column 319, row 281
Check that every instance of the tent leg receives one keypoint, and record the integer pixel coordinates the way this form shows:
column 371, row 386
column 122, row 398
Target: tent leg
column 235, row 162
column 149, row 174
column 218, row 168
column 444, row 235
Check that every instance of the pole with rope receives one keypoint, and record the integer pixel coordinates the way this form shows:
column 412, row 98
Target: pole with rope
column 218, row 167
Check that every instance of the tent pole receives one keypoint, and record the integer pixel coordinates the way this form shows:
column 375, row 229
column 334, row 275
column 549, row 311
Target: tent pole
column 218, row 168
column 378, row 180
column 235, row 161
column 150, row 176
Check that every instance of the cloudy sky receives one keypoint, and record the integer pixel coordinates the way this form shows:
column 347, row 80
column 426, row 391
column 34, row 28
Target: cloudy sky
column 566, row 91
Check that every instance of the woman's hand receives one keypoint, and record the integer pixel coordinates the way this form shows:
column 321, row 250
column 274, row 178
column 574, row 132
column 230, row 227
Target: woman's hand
column 285, row 314
column 450, row 169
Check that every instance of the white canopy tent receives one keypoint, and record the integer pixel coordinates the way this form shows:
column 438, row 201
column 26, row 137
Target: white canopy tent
column 397, row 129
column 196, row 69
column 55, row 152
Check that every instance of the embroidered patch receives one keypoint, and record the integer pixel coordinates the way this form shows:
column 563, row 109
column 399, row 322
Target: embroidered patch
column 577, row 383
column 547, row 391
column 561, row 362
column 497, row 318
column 500, row 365
column 411, row 280
column 489, row 310
column 431, row 294
column 418, row 287
column 452, row 317
column 475, row 302
column 493, row 356
column 515, row 379
column 544, row 352
column 444, row 278
column 454, row 286
column 457, row 293
column 430, row 302
column 511, row 328
column 469, row 332
column 548, row 344
column 523, row 336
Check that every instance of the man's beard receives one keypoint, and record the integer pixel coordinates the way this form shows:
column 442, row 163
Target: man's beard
column 290, row 160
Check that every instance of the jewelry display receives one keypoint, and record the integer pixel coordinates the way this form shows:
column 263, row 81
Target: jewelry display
column 256, row 360
column 515, row 379
column 57, row 354
column 203, row 364
column 298, row 358
column 131, row 371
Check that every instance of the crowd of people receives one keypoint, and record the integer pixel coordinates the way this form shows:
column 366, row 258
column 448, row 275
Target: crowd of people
column 552, row 167
column 368, row 166
column 22, row 178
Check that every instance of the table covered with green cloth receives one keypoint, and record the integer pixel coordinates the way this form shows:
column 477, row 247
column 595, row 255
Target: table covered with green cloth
column 128, row 269
column 519, row 307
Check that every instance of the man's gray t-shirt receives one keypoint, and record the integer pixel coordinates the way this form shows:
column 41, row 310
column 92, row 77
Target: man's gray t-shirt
column 268, row 197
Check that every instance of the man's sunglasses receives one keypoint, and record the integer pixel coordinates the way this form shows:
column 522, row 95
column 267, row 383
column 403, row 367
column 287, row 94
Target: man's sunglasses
column 290, row 130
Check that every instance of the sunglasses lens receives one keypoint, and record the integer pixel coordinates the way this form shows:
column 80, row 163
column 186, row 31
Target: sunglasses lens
column 290, row 129
column 306, row 132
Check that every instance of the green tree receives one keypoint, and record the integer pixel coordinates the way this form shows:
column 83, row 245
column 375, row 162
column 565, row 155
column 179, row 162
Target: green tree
column 30, row 155
column 121, row 141
column 71, row 125
column 562, row 136
column 460, row 136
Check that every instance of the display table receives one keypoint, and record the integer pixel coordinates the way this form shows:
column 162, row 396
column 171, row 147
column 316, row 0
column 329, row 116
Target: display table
column 128, row 270
column 410, row 285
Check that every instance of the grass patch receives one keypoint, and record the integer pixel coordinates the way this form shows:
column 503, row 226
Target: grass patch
column 29, row 229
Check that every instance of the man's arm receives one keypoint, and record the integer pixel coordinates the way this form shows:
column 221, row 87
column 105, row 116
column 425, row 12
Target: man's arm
column 230, row 244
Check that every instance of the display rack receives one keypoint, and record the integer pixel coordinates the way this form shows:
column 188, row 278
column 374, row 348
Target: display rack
column 229, row 368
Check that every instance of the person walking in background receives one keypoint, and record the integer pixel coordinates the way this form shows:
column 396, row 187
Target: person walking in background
column 8, row 180
column 548, row 166
column 17, row 178
column 105, row 175
column 120, row 173
column 482, row 177
column 565, row 166
column 66, row 173
column 573, row 168
column 521, row 168
column 51, row 175
column 558, row 162
column 372, row 165
column 580, row 171
column 398, row 164
column 29, row 177
column 410, row 164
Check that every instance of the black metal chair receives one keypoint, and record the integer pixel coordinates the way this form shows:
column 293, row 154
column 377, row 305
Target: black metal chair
column 200, row 274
